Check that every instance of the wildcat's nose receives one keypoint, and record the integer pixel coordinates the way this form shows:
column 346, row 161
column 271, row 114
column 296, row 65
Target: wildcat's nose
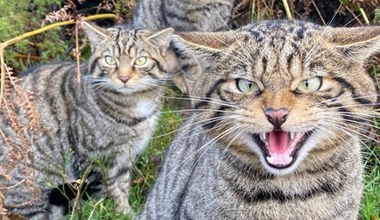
column 124, row 79
column 276, row 117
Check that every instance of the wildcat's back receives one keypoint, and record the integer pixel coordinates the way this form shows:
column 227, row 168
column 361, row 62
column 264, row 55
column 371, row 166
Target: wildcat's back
column 190, row 15
column 276, row 132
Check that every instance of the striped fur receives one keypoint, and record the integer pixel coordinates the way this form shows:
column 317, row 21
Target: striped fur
column 94, row 128
column 186, row 15
column 230, row 159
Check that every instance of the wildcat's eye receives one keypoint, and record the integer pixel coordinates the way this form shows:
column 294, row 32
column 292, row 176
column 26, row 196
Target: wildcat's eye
column 110, row 60
column 140, row 61
column 310, row 85
column 247, row 86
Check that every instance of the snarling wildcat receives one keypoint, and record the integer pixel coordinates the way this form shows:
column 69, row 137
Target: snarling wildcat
column 276, row 128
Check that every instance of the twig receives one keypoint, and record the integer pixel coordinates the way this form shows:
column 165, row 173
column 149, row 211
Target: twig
column 77, row 51
column 31, row 57
column 51, row 26
column 35, row 32
column 319, row 13
column 2, row 78
column 82, row 181
column 353, row 14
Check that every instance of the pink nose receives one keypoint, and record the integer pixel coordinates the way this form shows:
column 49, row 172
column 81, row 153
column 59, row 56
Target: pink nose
column 124, row 79
column 276, row 117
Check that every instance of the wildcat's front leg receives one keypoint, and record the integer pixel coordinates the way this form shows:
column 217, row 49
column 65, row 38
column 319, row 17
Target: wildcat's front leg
column 118, row 184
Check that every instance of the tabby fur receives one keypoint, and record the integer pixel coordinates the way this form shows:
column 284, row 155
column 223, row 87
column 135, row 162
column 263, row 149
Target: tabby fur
column 109, row 117
column 185, row 15
column 234, row 158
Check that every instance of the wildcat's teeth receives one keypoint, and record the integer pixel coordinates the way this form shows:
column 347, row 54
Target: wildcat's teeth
column 289, row 160
column 263, row 136
column 292, row 134
column 270, row 160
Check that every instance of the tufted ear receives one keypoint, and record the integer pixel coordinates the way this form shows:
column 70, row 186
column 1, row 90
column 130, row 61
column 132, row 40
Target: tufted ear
column 94, row 33
column 196, row 52
column 357, row 43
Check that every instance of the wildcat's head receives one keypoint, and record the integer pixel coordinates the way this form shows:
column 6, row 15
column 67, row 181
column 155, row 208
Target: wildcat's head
column 129, row 60
column 284, row 92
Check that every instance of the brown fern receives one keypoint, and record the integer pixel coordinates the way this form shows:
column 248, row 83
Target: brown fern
column 17, row 100
column 63, row 14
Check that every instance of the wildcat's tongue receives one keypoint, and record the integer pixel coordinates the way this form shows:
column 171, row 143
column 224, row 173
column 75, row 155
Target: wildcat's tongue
column 280, row 148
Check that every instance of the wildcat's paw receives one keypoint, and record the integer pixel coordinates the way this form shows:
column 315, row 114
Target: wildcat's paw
column 125, row 209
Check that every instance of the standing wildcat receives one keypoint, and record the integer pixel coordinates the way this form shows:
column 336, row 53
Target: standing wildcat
column 108, row 117
column 185, row 15
column 276, row 135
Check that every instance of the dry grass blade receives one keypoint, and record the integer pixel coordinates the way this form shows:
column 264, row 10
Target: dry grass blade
column 287, row 9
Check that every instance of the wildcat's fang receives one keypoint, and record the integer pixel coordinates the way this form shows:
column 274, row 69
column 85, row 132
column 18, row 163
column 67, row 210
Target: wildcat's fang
column 281, row 148
column 292, row 134
column 263, row 136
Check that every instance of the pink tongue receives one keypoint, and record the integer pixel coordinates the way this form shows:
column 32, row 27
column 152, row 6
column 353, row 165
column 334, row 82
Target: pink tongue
column 278, row 142
column 279, row 148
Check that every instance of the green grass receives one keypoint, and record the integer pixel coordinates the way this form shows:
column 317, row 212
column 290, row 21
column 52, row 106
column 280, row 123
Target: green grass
column 370, row 208
column 98, row 209
column 146, row 170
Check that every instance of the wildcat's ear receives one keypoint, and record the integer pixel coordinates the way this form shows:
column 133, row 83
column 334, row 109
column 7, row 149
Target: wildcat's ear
column 357, row 43
column 196, row 52
column 94, row 33
column 202, row 45
column 161, row 39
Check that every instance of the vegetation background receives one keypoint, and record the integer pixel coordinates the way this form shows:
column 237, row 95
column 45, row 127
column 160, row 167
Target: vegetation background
column 58, row 44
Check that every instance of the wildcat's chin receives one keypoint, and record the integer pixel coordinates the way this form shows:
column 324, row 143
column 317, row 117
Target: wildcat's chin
column 280, row 150
column 127, row 89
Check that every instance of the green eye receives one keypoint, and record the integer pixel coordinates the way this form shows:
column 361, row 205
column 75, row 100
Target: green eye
column 110, row 60
column 247, row 86
column 310, row 85
column 140, row 61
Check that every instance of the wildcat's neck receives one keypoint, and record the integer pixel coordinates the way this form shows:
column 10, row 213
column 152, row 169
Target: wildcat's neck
column 129, row 109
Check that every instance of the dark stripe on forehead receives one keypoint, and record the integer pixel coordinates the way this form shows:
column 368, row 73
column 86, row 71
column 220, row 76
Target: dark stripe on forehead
column 129, row 48
column 289, row 60
column 117, row 36
column 209, row 93
column 350, row 87
column 265, row 63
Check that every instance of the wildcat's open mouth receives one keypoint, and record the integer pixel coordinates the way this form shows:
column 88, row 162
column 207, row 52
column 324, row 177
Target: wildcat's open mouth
column 281, row 148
